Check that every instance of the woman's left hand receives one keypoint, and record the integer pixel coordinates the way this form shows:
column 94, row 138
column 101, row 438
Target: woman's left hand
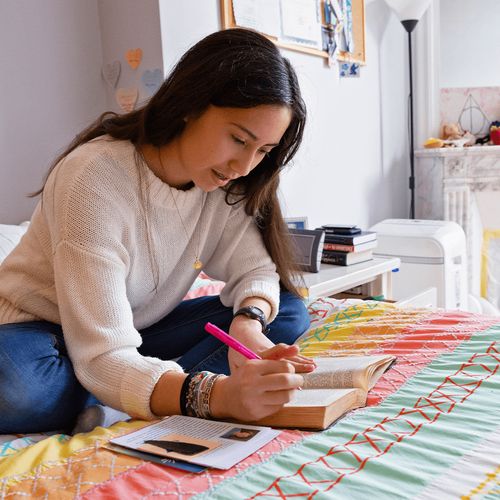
column 249, row 333
column 290, row 353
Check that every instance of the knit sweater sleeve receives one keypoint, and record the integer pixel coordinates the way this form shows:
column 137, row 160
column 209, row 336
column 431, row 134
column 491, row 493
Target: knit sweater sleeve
column 90, row 271
column 242, row 261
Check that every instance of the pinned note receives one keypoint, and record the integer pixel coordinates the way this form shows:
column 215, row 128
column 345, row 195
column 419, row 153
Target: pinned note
column 152, row 79
column 134, row 57
column 111, row 73
column 127, row 98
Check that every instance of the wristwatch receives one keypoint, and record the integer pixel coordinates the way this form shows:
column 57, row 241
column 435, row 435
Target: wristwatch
column 254, row 312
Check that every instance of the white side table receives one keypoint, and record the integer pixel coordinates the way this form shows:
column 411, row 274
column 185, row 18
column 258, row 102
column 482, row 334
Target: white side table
column 375, row 275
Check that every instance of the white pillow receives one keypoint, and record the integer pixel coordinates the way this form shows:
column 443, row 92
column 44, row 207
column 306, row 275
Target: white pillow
column 9, row 237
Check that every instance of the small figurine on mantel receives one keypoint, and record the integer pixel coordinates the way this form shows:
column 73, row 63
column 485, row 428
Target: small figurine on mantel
column 451, row 135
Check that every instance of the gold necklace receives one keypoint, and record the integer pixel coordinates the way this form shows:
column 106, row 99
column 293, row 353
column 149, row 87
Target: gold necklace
column 197, row 264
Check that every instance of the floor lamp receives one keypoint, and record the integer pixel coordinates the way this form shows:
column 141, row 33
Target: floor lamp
column 409, row 13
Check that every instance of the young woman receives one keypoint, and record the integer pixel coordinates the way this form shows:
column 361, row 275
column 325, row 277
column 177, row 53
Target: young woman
column 91, row 300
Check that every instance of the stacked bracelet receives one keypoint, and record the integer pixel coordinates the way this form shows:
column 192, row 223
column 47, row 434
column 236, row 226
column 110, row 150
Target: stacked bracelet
column 195, row 394
column 183, row 395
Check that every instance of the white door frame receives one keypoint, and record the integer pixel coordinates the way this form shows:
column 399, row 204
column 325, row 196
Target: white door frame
column 426, row 76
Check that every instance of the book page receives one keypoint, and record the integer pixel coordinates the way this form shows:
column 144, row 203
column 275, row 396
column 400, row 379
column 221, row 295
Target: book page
column 375, row 371
column 347, row 371
column 203, row 442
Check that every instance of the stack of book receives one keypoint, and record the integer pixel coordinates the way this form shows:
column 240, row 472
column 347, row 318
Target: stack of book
column 346, row 245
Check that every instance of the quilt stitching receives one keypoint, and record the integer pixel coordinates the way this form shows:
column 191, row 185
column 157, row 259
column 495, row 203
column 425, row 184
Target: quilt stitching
column 377, row 440
column 446, row 332
column 476, row 324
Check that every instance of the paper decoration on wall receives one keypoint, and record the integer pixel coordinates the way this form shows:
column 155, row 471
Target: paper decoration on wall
column 474, row 115
column 349, row 70
column 133, row 57
column 111, row 73
column 152, row 79
column 127, row 98
column 473, row 119
column 347, row 34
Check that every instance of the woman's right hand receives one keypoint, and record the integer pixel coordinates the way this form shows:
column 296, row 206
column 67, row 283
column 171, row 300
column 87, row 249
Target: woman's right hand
column 254, row 390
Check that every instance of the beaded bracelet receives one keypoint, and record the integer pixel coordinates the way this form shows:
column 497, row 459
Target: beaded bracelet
column 204, row 393
column 195, row 394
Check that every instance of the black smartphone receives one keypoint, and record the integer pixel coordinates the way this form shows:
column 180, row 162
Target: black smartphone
column 341, row 228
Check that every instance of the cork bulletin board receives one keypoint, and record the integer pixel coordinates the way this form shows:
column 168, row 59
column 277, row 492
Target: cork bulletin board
column 260, row 21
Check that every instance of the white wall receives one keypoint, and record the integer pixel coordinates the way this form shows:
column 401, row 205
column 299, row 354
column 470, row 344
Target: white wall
column 124, row 25
column 183, row 24
column 470, row 43
column 51, row 83
column 353, row 165
column 50, row 88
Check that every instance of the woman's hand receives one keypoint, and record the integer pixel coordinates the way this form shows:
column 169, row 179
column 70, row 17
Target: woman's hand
column 249, row 333
column 256, row 389
column 290, row 353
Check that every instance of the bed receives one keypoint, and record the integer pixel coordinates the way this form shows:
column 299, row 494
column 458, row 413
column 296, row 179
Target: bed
column 431, row 428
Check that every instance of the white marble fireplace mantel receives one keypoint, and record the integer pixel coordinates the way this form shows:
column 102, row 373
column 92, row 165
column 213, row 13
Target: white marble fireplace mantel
column 448, row 181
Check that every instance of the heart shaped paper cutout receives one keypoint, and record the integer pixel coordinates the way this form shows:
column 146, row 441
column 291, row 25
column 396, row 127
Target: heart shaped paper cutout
column 133, row 57
column 126, row 98
column 152, row 79
column 111, row 73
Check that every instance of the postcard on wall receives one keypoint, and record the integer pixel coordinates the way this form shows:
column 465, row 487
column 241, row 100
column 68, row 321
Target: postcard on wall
column 260, row 15
column 204, row 442
column 301, row 22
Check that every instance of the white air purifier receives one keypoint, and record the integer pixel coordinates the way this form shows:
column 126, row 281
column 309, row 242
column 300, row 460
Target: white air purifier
column 432, row 254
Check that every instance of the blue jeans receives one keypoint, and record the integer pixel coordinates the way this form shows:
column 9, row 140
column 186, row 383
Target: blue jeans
column 38, row 387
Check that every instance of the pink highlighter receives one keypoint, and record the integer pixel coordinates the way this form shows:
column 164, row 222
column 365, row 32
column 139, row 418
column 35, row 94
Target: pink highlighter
column 230, row 341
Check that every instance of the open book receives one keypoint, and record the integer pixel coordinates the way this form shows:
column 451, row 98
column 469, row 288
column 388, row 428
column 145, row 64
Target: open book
column 338, row 384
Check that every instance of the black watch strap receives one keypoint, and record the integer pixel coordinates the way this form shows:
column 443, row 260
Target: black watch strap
column 254, row 312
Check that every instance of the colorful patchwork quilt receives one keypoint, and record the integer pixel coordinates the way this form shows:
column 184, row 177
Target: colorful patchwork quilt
column 431, row 429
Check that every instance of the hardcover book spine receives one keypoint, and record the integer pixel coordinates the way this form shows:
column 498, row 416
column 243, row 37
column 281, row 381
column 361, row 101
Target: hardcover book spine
column 338, row 260
column 338, row 239
column 339, row 247
column 351, row 239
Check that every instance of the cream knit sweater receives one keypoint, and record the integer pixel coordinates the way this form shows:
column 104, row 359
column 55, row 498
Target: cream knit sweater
column 85, row 263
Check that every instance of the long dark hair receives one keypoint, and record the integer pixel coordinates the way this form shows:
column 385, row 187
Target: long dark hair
column 236, row 68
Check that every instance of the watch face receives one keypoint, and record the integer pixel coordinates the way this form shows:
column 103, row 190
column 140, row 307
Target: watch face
column 258, row 312
column 254, row 312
